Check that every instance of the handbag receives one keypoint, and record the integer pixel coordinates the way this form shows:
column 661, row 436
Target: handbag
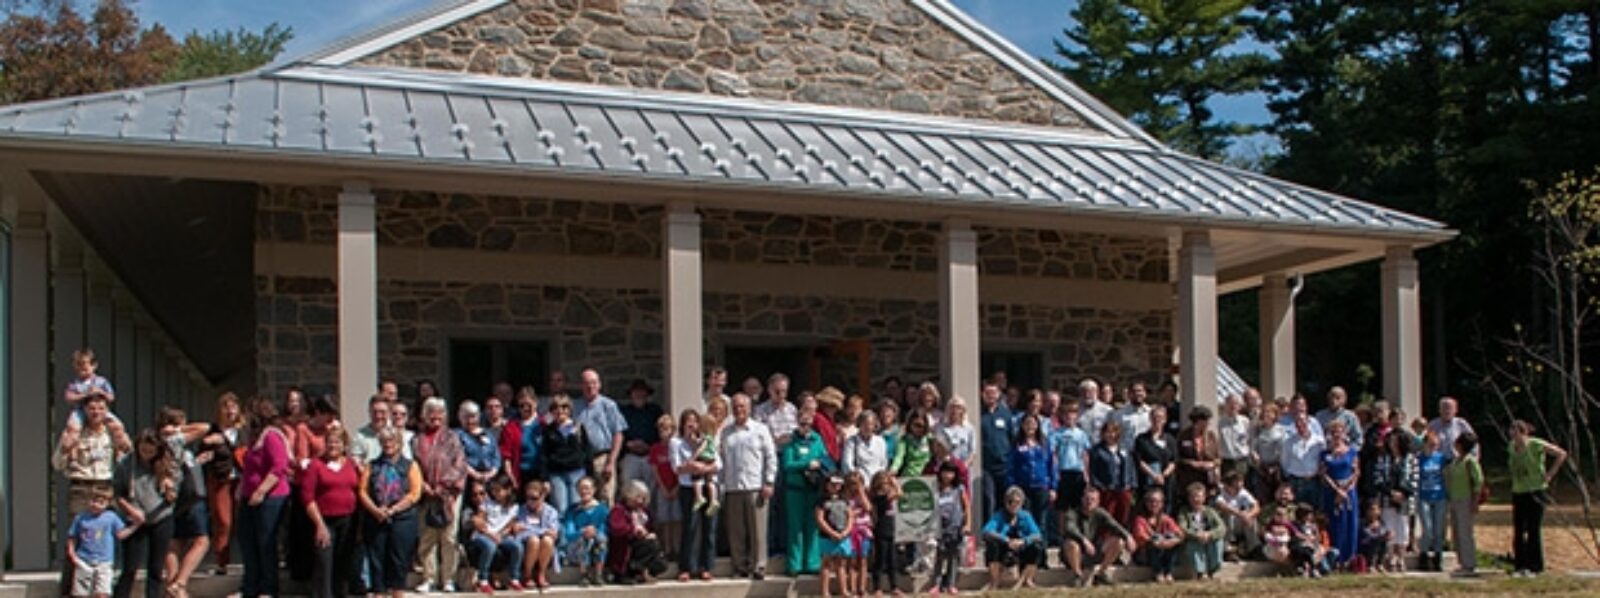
column 434, row 513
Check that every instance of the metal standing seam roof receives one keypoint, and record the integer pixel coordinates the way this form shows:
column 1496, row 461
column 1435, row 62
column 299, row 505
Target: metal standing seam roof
column 452, row 119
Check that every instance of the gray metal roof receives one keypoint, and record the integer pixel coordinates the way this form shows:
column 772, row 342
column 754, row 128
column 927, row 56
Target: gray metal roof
column 446, row 118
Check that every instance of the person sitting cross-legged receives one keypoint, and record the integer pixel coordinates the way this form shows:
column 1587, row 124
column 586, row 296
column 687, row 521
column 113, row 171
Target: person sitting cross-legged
column 1091, row 533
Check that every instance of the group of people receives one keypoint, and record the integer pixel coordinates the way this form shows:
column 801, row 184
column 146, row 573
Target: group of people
column 526, row 484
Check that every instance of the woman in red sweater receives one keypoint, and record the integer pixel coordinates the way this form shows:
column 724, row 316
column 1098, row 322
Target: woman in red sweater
column 329, row 487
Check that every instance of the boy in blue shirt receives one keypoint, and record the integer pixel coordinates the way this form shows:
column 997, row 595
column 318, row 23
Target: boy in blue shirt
column 92, row 543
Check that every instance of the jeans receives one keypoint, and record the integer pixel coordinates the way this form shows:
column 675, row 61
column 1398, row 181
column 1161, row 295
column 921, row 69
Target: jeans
column 391, row 548
column 993, row 491
column 947, row 563
column 145, row 548
column 1430, row 514
column 1160, row 560
column 1039, row 507
column 258, row 541
column 1204, row 557
column 299, row 548
column 1527, row 534
column 484, row 550
column 1307, row 490
column 564, row 488
column 330, row 576
column 699, row 546
column 1462, row 516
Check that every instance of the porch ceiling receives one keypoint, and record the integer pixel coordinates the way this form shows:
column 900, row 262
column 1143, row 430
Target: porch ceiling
column 184, row 249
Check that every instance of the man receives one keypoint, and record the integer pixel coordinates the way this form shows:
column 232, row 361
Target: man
column 749, row 467
column 1090, row 533
column 88, row 458
column 557, row 386
column 752, row 388
column 1134, row 417
column 641, row 434
column 1298, row 407
column 1449, row 427
column 1336, row 412
column 389, row 390
column 1167, row 398
column 716, row 381
column 501, row 391
column 780, row 416
column 1252, row 403
column 1235, row 430
column 1301, row 461
column 892, row 388
column 364, row 447
column 996, row 436
column 1093, row 414
column 604, row 425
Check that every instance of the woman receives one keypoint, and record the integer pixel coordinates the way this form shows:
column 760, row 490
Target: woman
column 1032, row 468
column 222, row 476
column 1033, row 404
column 564, row 448
column 956, row 431
column 1155, row 454
column 329, row 489
column 426, row 389
column 1203, row 531
column 438, row 453
column 1266, row 450
column 1111, row 472
column 478, row 445
column 1529, row 481
column 190, row 532
column 1341, row 471
column 519, row 441
column 264, row 488
column 866, row 452
column 802, row 464
column 1199, row 454
column 911, row 453
column 930, row 402
column 635, row 554
column 699, row 544
column 1156, row 534
column 889, row 426
column 541, row 530
column 1389, row 485
column 390, row 486
column 494, row 416
column 146, row 490
column 1012, row 539
column 309, row 438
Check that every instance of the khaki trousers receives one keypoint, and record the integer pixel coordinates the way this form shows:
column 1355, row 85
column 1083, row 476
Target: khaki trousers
column 437, row 548
column 745, row 515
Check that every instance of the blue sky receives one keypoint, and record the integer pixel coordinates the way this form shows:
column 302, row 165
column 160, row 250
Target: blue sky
column 1031, row 24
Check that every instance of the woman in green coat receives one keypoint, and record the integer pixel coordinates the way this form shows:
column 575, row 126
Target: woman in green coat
column 804, row 452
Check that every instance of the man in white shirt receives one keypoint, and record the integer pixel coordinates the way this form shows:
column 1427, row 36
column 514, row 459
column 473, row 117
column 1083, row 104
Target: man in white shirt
column 1302, row 460
column 750, row 465
column 1297, row 408
column 1335, row 411
column 716, row 381
column 1134, row 417
column 1449, row 427
column 1093, row 414
column 1236, row 430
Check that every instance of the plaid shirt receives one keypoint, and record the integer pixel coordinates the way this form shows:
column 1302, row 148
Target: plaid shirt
column 782, row 421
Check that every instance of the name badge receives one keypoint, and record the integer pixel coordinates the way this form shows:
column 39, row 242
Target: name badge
column 805, row 450
column 1000, row 423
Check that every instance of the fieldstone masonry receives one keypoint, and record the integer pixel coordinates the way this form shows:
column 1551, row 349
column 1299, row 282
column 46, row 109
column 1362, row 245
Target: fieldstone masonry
column 878, row 54
column 619, row 331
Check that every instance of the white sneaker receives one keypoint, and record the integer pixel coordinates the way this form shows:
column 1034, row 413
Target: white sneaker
column 425, row 588
column 449, row 587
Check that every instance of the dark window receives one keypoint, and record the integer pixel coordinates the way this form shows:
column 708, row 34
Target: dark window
column 1024, row 369
column 763, row 361
column 476, row 365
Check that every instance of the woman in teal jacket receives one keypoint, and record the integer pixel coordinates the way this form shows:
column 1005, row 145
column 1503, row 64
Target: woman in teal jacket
column 805, row 451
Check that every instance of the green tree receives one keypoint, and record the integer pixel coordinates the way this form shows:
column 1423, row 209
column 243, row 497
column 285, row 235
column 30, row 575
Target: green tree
column 1161, row 63
column 227, row 52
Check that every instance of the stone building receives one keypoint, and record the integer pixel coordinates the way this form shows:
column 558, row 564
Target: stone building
column 495, row 189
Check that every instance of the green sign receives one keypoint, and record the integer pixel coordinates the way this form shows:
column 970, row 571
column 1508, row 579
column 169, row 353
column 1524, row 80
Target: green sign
column 916, row 520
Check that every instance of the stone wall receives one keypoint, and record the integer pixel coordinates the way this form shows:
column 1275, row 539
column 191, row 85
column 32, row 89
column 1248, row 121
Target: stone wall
column 879, row 54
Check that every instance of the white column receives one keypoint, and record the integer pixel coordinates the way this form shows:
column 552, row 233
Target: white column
column 681, row 303
column 358, row 300
column 1402, row 331
column 959, row 339
column 124, row 355
column 30, row 392
column 1197, row 321
column 1276, row 309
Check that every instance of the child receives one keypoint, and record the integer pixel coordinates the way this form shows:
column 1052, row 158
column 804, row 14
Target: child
column 91, row 542
column 540, row 531
column 885, row 491
column 496, row 532
column 1240, row 510
column 889, row 425
column 585, row 528
column 1431, row 502
column 833, row 523
column 87, row 383
column 705, row 486
column 1464, row 485
column 1306, row 542
column 1277, row 536
column 952, row 505
column 1374, row 538
column 667, row 515
column 1203, row 532
column 855, row 489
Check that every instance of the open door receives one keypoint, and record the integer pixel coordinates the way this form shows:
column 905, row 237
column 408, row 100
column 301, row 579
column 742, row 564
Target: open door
column 843, row 364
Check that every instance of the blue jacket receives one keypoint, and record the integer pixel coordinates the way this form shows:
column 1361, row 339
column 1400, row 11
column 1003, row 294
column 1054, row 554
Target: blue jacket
column 1032, row 467
column 1001, row 528
column 997, row 434
column 577, row 518
column 1109, row 470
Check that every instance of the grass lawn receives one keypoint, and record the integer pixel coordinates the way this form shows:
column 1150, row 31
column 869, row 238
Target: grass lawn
column 1345, row 586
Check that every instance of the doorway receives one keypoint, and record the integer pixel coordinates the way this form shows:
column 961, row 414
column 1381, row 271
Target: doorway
column 1024, row 369
column 477, row 364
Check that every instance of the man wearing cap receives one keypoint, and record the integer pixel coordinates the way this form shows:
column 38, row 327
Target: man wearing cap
column 749, row 468
column 641, row 414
